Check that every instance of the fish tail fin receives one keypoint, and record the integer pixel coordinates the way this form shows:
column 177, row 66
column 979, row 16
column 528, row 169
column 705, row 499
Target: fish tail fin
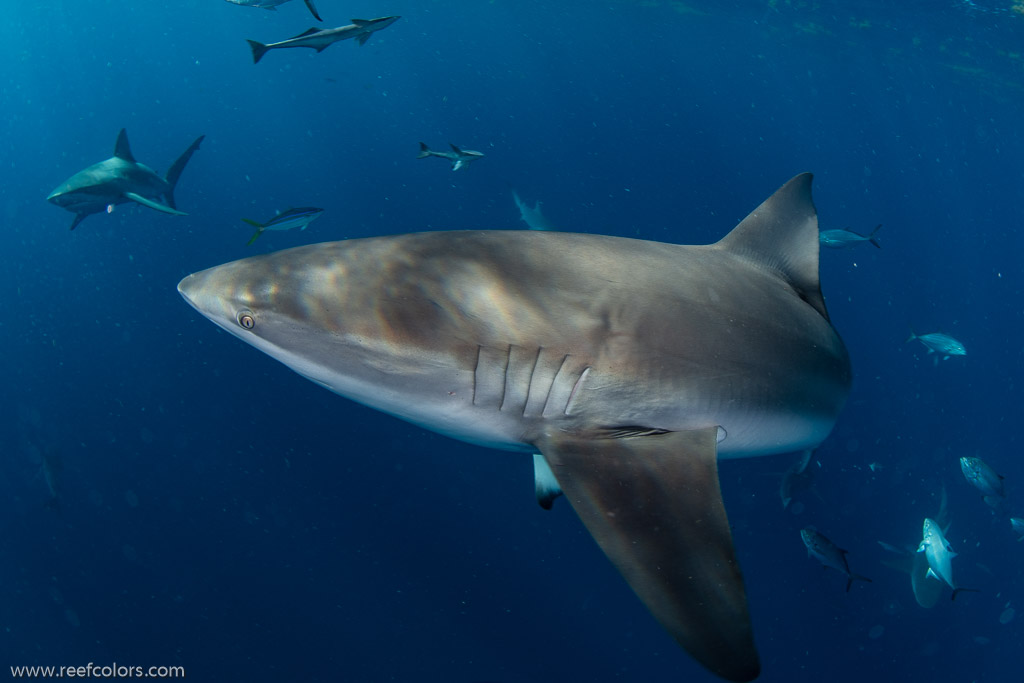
column 855, row 577
column 872, row 238
column 174, row 172
column 258, row 50
column 912, row 336
column 424, row 151
column 964, row 590
column 253, row 223
column 255, row 235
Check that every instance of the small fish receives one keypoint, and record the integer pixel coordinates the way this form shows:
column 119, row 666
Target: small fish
column 272, row 5
column 939, row 554
column 937, row 342
column 460, row 158
column 1018, row 526
column 985, row 479
column 843, row 239
column 288, row 220
column 829, row 554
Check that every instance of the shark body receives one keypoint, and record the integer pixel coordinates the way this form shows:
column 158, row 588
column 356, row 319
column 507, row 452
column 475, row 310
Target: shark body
column 630, row 366
column 120, row 179
column 272, row 5
column 321, row 38
column 460, row 158
column 532, row 216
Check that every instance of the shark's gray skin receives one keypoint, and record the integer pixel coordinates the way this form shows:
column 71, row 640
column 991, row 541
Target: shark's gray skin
column 460, row 158
column 829, row 554
column 120, row 179
column 321, row 38
column 631, row 366
column 272, row 5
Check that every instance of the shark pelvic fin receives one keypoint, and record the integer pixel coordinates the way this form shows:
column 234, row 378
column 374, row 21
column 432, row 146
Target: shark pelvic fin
column 782, row 235
column 153, row 205
column 363, row 37
column 654, row 506
column 122, row 150
column 545, row 484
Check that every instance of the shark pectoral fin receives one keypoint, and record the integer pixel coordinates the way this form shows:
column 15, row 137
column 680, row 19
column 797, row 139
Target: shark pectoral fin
column 312, row 9
column 545, row 484
column 654, row 506
column 153, row 205
column 79, row 217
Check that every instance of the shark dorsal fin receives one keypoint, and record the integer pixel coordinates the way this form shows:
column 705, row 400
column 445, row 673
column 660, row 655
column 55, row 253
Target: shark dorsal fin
column 361, row 22
column 782, row 234
column 308, row 32
column 121, row 148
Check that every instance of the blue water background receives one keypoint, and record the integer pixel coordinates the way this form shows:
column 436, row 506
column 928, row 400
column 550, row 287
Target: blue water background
column 218, row 512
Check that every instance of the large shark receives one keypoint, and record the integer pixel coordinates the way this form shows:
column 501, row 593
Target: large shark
column 120, row 179
column 631, row 366
column 322, row 38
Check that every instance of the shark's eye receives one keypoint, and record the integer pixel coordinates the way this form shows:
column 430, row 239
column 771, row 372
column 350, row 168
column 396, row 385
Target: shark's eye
column 246, row 319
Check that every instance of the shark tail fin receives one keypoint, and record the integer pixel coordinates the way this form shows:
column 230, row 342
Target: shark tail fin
column 963, row 590
column 258, row 50
column 872, row 238
column 424, row 151
column 855, row 577
column 174, row 172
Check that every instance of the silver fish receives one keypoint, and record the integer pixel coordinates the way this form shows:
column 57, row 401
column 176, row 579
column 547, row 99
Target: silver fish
column 843, row 239
column 829, row 554
column 940, row 343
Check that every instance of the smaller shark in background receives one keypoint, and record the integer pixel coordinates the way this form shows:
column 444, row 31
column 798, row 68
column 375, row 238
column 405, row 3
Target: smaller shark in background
column 985, row 479
column 321, row 38
column 940, row 555
column 120, row 179
column 532, row 217
column 829, row 554
column 272, row 5
column 927, row 589
column 843, row 239
column 797, row 478
column 460, row 158
column 287, row 220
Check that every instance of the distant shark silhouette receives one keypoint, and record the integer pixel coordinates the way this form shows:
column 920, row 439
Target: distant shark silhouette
column 120, row 179
column 631, row 366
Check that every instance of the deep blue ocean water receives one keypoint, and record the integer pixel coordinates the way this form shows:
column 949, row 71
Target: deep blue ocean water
column 218, row 512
